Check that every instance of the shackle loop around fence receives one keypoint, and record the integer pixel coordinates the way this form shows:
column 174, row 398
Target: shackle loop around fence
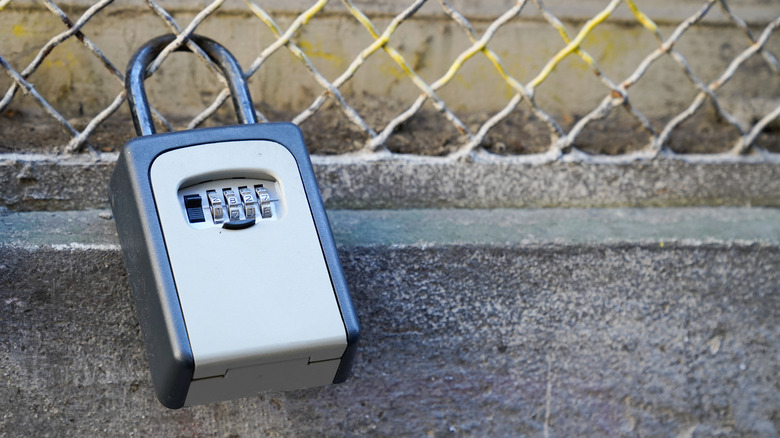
column 136, row 73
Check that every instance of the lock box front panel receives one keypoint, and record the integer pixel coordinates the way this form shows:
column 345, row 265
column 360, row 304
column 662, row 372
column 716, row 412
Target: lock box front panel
column 206, row 290
column 254, row 295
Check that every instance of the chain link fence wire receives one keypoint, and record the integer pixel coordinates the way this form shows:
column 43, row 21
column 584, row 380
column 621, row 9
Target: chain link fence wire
column 616, row 98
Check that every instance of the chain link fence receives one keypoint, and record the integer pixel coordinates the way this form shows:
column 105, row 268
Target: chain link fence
column 472, row 135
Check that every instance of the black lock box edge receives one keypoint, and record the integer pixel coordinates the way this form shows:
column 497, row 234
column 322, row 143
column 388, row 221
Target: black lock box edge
column 149, row 272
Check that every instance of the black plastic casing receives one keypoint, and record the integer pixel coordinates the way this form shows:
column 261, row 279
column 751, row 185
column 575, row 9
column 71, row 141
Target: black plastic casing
column 146, row 259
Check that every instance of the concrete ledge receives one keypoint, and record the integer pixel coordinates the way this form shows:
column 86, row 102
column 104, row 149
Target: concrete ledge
column 51, row 182
column 85, row 229
column 655, row 332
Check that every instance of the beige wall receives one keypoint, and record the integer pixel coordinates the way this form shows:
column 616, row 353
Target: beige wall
column 77, row 84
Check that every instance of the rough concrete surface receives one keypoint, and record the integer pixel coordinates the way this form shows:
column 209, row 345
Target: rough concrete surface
column 51, row 182
column 552, row 337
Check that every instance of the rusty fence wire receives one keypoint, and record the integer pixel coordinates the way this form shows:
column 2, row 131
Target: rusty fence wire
column 616, row 90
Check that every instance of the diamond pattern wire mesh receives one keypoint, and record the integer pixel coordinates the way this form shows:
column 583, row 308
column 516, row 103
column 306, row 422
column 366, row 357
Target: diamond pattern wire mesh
column 616, row 97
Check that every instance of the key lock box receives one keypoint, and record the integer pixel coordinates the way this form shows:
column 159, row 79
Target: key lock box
column 232, row 264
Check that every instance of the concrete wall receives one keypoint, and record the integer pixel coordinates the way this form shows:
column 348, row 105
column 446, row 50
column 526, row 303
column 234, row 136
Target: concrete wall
column 479, row 318
column 35, row 182
column 77, row 83
column 502, row 323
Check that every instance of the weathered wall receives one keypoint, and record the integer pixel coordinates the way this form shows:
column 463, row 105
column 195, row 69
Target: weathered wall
column 77, row 83
column 545, row 335
column 53, row 183
column 490, row 322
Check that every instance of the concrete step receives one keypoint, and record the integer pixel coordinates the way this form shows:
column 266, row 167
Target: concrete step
column 560, row 322
column 55, row 182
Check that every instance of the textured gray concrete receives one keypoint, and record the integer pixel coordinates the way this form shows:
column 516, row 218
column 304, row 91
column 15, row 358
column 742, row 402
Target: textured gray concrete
column 657, row 332
column 425, row 227
column 51, row 182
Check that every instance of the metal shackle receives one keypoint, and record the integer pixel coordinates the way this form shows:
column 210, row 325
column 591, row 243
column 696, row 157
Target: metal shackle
column 136, row 73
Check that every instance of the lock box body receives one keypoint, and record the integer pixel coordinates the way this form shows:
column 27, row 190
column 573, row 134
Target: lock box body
column 232, row 264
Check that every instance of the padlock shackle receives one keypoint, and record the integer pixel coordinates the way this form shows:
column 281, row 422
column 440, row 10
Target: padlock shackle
column 136, row 74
